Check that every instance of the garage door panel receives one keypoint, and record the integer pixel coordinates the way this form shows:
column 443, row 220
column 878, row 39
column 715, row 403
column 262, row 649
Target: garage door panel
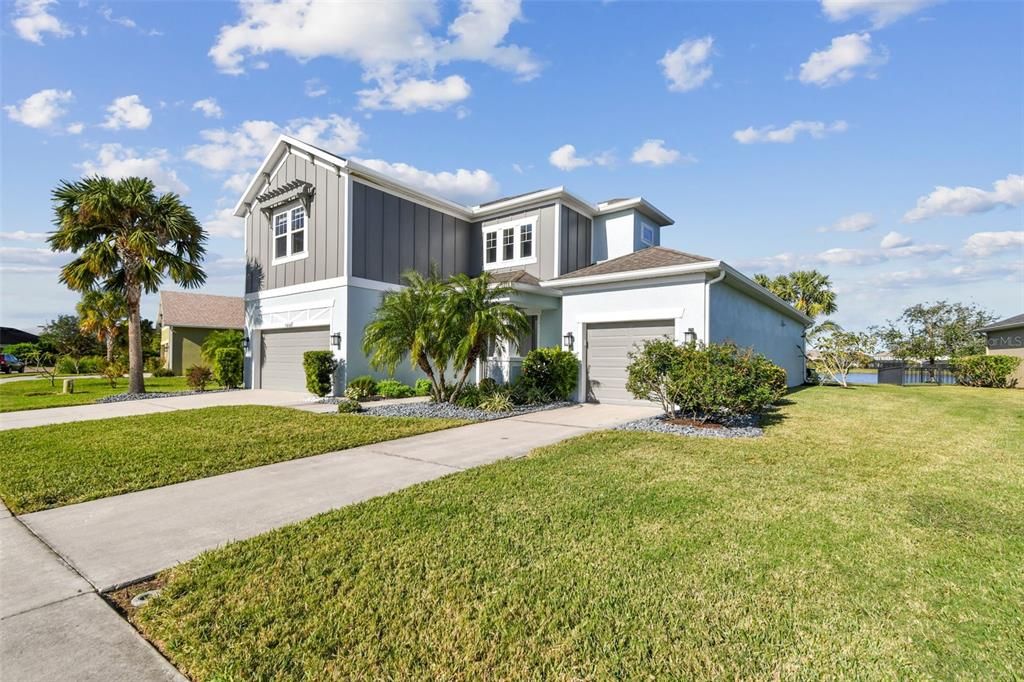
column 281, row 356
column 608, row 348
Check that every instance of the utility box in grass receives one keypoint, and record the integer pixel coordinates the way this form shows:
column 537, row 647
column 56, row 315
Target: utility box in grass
column 69, row 386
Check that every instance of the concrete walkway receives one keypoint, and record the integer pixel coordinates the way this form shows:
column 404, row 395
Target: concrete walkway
column 78, row 413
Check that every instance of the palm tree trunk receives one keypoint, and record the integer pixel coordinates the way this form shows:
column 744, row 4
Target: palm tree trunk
column 135, row 380
column 109, row 339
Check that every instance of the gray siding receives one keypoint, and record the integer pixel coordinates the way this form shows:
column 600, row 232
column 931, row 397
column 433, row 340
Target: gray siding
column 543, row 241
column 325, row 242
column 575, row 237
column 391, row 235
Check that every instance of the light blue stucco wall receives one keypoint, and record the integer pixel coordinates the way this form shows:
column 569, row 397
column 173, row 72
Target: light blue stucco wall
column 748, row 323
column 362, row 303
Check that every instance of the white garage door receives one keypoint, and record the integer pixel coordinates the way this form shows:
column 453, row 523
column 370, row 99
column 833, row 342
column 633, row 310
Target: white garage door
column 281, row 356
column 608, row 346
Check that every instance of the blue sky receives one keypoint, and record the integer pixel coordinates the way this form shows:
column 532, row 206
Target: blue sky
column 882, row 143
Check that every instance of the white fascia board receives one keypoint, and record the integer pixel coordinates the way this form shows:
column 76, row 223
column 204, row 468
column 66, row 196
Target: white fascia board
column 536, row 289
column 637, row 203
column 649, row 273
column 279, row 151
column 559, row 193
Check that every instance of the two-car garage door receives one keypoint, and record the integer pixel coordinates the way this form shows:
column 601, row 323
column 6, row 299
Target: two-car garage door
column 607, row 353
column 281, row 356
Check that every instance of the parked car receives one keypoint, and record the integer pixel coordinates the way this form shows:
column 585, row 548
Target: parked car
column 9, row 363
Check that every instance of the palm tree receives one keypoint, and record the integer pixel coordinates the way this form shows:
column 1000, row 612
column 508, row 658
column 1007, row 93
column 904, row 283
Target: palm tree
column 101, row 314
column 126, row 239
column 809, row 291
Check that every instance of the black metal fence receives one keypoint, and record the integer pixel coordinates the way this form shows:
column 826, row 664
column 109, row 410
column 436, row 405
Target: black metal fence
column 899, row 373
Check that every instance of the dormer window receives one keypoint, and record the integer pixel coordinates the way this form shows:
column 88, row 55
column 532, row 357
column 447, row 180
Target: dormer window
column 510, row 243
column 289, row 235
column 646, row 234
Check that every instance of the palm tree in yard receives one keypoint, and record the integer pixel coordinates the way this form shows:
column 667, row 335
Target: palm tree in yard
column 809, row 291
column 101, row 313
column 126, row 239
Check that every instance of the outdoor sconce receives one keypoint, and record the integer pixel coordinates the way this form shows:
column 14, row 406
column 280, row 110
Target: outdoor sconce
column 336, row 340
column 568, row 339
column 690, row 336
column 245, row 343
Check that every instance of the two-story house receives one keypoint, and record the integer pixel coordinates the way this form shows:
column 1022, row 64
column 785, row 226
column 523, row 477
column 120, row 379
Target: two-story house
column 326, row 237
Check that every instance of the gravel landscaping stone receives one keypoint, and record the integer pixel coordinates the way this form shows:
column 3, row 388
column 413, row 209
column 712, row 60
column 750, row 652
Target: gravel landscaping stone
column 128, row 397
column 740, row 427
column 449, row 411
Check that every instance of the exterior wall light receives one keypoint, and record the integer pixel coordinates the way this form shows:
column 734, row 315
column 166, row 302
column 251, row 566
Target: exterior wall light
column 245, row 343
column 690, row 337
column 336, row 340
column 568, row 340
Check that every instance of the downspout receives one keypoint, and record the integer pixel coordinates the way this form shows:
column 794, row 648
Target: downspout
column 707, row 304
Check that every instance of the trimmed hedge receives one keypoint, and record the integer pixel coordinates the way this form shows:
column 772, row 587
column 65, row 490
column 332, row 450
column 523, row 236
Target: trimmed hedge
column 986, row 371
column 549, row 372
column 319, row 366
column 392, row 388
column 229, row 367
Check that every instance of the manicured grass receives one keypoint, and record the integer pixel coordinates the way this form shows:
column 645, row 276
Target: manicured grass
column 36, row 394
column 51, row 466
column 874, row 533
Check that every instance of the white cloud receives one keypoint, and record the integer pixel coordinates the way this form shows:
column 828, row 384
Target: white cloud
column 841, row 60
column 856, row 222
column 957, row 275
column 686, row 67
column 42, row 109
column 461, row 185
column 843, row 257
column 655, row 153
column 209, row 107
column 895, row 240
column 565, row 158
column 23, row 236
column 965, row 200
column 24, row 259
column 816, row 129
column 984, row 244
column 75, row 128
column 32, row 20
column 108, row 14
column 315, row 88
column 116, row 161
column 223, row 223
column 413, row 94
column 128, row 112
column 880, row 12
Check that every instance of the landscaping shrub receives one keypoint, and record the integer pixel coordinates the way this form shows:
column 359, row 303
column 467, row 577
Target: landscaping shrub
column 197, row 376
column 21, row 351
column 113, row 371
column 216, row 340
column 361, row 388
column 552, row 372
column 92, row 364
column 524, row 392
column 319, row 366
column 422, row 387
column 152, row 364
column 706, row 382
column 392, row 388
column 497, row 402
column 469, row 396
column 67, row 365
column 985, row 371
column 229, row 367
column 349, row 407
column 487, row 386
column 163, row 372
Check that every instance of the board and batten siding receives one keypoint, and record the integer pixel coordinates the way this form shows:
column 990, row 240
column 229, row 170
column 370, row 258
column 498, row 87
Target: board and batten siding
column 325, row 242
column 574, row 241
column 543, row 240
column 391, row 235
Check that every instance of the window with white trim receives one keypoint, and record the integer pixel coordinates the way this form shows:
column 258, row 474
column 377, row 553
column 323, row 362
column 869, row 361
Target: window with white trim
column 510, row 243
column 289, row 235
column 647, row 234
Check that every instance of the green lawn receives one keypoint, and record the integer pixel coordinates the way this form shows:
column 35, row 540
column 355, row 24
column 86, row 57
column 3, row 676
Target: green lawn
column 873, row 533
column 51, row 466
column 35, row 394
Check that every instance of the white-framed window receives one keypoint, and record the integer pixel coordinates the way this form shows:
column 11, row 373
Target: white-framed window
column 289, row 235
column 647, row 234
column 510, row 243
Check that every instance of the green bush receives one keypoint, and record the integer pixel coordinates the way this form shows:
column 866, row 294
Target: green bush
column 551, row 372
column 113, row 371
column 706, row 382
column 986, row 371
column 152, row 364
column 163, row 372
column 391, row 388
column 469, row 396
column 524, row 392
column 319, row 366
column 197, row 376
column 497, row 402
column 218, row 339
column 487, row 385
column 349, row 406
column 92, row 364
column 361, row 388
column 423, row 387
column 67, row 365
column 21, row 350
column 229, row 367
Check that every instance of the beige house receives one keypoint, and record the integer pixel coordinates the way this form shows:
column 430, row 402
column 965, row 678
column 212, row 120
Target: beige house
column 1006, row 337
column 186, row 320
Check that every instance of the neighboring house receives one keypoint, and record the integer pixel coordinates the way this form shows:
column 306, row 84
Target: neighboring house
column 186, row 320
column 326, row 237
column 10, row 336
column 1006, row 337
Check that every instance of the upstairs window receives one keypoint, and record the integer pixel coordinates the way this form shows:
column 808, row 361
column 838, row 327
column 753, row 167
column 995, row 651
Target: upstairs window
column 491, row 247
column 290, row 235
column 510, row 244
column 647, row 234
column 526, row 240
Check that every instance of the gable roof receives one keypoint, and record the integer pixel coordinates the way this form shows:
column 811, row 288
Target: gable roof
column 185, row 309
column 514, row 277
column 1008, row 323
column 645, row 259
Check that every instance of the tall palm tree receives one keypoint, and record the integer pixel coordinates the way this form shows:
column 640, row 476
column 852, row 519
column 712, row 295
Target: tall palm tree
column 809, row 291
column 101, row 314
column 126, row 239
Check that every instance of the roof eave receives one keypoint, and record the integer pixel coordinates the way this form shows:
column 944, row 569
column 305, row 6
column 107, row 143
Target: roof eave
column 629, row 275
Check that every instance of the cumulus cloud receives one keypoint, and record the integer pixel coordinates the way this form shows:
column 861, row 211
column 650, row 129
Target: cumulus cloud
column 209, row 107
column 23, row 236
column 315, row 88
column 965, row 200
column 686, row 67
column 32, row 20
column 655, row 153
column 880, row 12
column 461, row 185
column 787, row 135
column 23, row 259
column 895, row 240
column 841, row 60
column 42, row 109
column 414, row 94
column 223, row 223
column 117, row 161
column 984, row 244
column 565, row 158
column 856, row 222
column 75, row 128
column 128, row 112
column 958, row 275
column 844, row 257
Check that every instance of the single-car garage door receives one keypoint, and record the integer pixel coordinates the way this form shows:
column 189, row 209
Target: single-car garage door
column 608, row 347
column 281, row 356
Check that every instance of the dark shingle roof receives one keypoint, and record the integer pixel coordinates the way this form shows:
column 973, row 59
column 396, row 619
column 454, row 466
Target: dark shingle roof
column 1015, row 321
column 183, row 309
column 645, row 259
column 514, row 277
